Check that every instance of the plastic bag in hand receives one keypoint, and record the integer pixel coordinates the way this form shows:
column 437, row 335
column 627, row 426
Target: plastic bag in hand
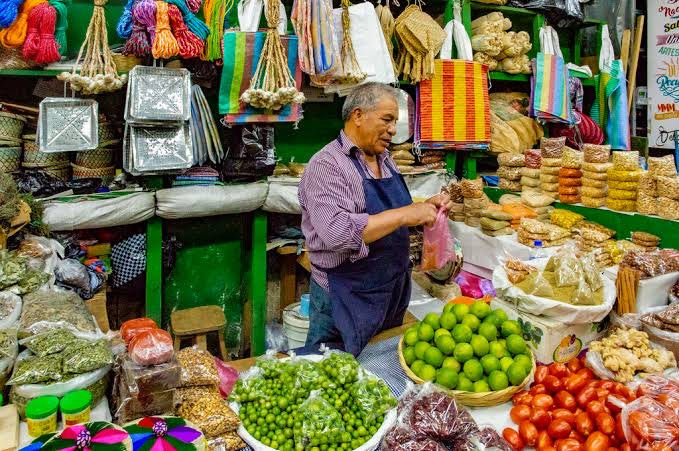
column 151, row 347
column 650, row 425
column 438, row 248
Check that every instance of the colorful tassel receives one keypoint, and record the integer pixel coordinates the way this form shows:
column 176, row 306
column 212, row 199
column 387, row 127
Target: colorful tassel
column 139, row 43
column 194, row 24
column 144, row 12
column 14, row 36
column 164, row 45
column 124, row 28
column 9, row 9
column 215, row 13
column 32, row 41
column 61, row 8
column 190, row 45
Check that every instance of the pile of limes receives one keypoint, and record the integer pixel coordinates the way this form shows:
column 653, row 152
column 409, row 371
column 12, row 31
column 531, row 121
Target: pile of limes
column 468, row 348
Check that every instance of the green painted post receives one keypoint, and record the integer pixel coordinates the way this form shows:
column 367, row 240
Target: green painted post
column 451, row 162
column 469, row 168
column 154, row 260
column 258, row 283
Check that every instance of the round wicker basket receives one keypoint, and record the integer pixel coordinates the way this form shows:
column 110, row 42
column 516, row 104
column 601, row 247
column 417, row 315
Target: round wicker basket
column 108, row 133
column 10, row 159
column 95, row 159
column 63, row 172
column 80, row 172
column 11, row 125
column 125, row 63
column 471, row 399
column 36, row 158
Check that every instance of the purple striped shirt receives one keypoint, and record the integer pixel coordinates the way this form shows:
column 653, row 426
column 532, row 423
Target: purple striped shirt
column 333, row 206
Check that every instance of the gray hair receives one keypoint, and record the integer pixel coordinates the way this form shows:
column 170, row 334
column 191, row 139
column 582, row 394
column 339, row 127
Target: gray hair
column 366, row 97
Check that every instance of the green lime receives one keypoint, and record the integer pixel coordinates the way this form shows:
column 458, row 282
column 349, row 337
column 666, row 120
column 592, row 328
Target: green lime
column 440, row 332
column 413, row 327
column 516, row 344
column 434, row 357
column 462, row 334
column 446, row 344
column 525, row 361
column 498, row 350
column 448, row 307
column 480, row 309
column 409, row 355
column 510, row 327
column 481, row 387
column 488, row 330
column 448, row 320
column 471, row 321
column 480, row 345
column 460, row 310
column 450, row 362
column 463, row 352
column 428, row 373
column 498, row 380
column 501, row 315
column 420, row 348
column 425, row 332
column 447, row 378
column 493, row 319
column 516, row 373
column 490, row 363
column 505, row 363
column 410, row 338
column 464, row 384
column 473, row 370
column 417, row 366
column 433, row 320
column 503, row 342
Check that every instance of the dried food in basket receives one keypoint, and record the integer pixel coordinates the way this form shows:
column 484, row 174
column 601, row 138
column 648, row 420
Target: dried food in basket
column 668, row 187
column 596, row 153
column 511, row 159
column 622, row 194
column 626, row 160
column 509, row 173
column 663, row 166
column 472, row 188
column 570, row 181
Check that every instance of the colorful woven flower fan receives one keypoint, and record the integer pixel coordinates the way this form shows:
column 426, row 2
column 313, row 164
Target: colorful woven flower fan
column 37, row 443
column 95, row 436
column 165, row 434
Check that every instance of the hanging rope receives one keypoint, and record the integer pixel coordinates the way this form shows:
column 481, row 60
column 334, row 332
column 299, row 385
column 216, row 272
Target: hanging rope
column 215, row 13
column 194, row 24
column 48, row 49
column 194, row 5
column 32, row 41
column 15, row 35
column 61, row 7
column 9, row 9
column 124, row 27
column 190, row 45
column 144, row 12
column 138, row 43
column 351, row 70
column 164, row 45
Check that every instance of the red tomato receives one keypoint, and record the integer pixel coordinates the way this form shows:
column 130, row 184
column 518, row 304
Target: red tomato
column 544, row 440
column 512, row 437
column 585, row 396
column 584, row 424
column 605, row 423
column 553, row 384
column 586, row 372
column 520, row 412
column 597, row 441
column 538, row 389
column 569, row 444
column 541, row 371
column 576, row 435
column 594, row 408
column 614, row 403
column 565, row 400
column 612, row 448
column 546, row 448
column 559, row 429
column 541, row 418
column 564, row 414
column 558, row 370
column 573, row 365
column 574, row 383
column 606, row 384
column 542, row 401
column 591, row 383
column 522, row 397
column 602, row 393
column 625, row 392
column 619, row 431
column 528, row 433
column 625, row 447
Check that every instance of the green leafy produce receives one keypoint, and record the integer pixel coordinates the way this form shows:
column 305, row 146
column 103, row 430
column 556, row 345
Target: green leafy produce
column 9, row 200
column 35, row 370
column 83, row 356
column 50, row 342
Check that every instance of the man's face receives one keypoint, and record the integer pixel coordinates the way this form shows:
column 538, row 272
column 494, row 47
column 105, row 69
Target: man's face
column 376, row 128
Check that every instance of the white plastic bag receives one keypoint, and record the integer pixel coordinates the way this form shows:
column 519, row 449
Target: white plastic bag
column 250, row 14
column 456, row 34
column 10, row 300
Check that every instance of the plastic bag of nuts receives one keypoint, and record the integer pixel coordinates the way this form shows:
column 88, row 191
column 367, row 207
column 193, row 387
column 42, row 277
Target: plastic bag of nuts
column 593, row 202
column 594, row 153
column 647, row 205
column 510, row 185
column 551, row 162
column 509, row 173
column 511, row 159
column 472, row 188
column 663, row 166
column 571, row 158
column 669, row 187
column 622, row 194
column 668, row 208
column 454, row 190
column 626, row 160
column 594, row 183
column 624, row 175
column 621, row 205
column 533, row 173
column 603, row 176
column 533, row 158
column 648, row 184
column 552, row 147
column 211, row 414
column 197, row 367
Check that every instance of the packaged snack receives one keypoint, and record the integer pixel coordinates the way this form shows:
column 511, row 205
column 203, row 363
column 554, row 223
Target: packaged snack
column 151, row 347
column 511, row 159
column 133, row 326
column 197, row 367
column 594, row 153
column 536, row 200
column 596, row 167
column 622, row 194
column 594, row 183
column 519, row 211
column 148, row 379
column 624, row 175
column 530, row 182
column 472, row 221
column 84, row 356
column 492, row 224
column 663, row 166
column 34, row 370
column 507, row 199
column 565, row 218
column 551, row 162
column 510, row 185
column 571, row 158
column 569, row 190
column 50, row 342
column 533, row 173
column 621, row 205
column 550, row 187
column 533, row 158
column 472, row 188
column 569, row 198
column 211, row 414
column 454, row 190
column 626, row 160
column 552, row 147
column 497, row 214
column 650, row 425
column 647, row 205
column 569, row 172
column 570, row 181
column 499, row 232
column 545, row 178
column 509, row 173
column 592, row 202
column 595, row 175
column 549, row 170
column 627, row 186
column 668, row 187
column 475, row 203
column 648, row 184
column 668, row 208
column 588, row 191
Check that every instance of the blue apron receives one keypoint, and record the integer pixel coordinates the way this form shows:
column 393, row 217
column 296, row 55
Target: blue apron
column 372, row 294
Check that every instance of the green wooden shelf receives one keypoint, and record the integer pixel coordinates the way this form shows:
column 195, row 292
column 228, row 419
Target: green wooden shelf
column 29, row 73
column 504, row 76
column 505, row 10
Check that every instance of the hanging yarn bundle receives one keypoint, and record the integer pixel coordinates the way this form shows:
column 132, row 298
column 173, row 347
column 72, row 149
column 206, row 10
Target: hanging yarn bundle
column 15, row 35
column 61, row 7
column 190, row 45
column 164, row 44
column 272, row 86
column 215, row 12
column 9, row 9
column 194, row 5
column 138, row 44
column 351, row 70
column 40, row 45
column 32, row 41
column 144, row 12
column 98, row 71
column 194, row 24
column 124, row 27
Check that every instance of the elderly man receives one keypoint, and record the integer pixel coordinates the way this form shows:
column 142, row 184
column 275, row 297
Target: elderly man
column 356, row 210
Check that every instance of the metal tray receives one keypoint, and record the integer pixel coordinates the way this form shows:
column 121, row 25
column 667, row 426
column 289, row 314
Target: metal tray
column 158, row 94
column 160, row 148
column 68, row 124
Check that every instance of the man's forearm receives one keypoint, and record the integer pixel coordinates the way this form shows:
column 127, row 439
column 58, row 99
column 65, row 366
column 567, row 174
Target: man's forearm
column 382, row 224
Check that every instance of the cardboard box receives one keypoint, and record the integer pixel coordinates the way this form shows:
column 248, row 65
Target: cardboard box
column 551, row 340
column 9, row 428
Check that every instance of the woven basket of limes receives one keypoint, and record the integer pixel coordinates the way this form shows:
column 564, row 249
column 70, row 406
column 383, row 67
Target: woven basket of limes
column 476, row 353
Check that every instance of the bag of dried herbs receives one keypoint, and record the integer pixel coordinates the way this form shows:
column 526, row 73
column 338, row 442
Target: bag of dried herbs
column 50, row 342
column 35, row 370
column 10, row 309
column 15, row 273
column 8, row 344
column 50, row 309
column 83, row 356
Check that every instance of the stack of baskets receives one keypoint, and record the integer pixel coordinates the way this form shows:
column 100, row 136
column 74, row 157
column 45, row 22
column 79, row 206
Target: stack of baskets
column 55, row 164
column 98, row 162
column 11, row 127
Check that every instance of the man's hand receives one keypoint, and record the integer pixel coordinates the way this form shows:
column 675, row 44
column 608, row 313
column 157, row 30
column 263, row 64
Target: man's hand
column 441, row 200
column 419, row 213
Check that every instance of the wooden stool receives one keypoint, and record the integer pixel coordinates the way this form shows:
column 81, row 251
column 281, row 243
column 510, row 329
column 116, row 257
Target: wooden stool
column 195, row 323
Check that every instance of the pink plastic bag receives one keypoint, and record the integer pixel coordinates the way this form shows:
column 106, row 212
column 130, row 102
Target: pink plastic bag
column 438, row 247
column 228, row 376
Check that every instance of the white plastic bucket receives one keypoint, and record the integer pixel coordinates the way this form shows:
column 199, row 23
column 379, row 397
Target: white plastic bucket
column 295, row 326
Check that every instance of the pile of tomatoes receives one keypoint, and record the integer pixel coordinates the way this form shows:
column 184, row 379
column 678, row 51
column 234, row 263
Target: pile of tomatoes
column 569, row 409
